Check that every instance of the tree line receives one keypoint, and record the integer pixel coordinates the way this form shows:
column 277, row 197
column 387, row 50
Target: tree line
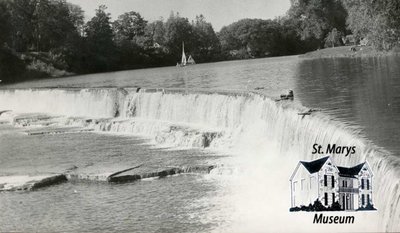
column 55, row 32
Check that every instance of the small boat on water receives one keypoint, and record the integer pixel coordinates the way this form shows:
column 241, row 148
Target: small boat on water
column 184, row 61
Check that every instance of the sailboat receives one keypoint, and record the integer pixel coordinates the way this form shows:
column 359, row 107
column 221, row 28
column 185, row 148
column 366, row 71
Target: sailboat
column 190, row 61
column 184, row 61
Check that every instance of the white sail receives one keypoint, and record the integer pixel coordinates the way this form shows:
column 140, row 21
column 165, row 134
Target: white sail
column 183, row 61
column 190, row 60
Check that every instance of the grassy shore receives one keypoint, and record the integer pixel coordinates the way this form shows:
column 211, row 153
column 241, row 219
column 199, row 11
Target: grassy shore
column 345, row 51
column 17, row 67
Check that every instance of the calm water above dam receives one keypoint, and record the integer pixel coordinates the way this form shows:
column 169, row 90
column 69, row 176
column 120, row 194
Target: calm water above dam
column 363, row 92
column 254, row 142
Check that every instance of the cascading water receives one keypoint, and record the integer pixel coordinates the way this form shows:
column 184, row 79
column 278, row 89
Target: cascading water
column 267, row 137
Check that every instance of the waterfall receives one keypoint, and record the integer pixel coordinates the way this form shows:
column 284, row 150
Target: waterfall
column 234, row 122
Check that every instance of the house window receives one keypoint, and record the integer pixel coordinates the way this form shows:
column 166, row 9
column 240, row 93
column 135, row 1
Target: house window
column 367, row 184
column 325, row 180
column 333, row 198
column 368, row 199
column 333, row 181
column 362, row 183
column 362, row 199
column 326, row 199
column 344, row 183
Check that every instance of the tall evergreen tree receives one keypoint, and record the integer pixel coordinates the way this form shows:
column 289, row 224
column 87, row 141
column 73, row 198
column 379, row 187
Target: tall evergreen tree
column 206, row 42
column 100, row 44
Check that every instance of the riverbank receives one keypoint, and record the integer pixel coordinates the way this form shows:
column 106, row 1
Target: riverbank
column 20, row 67
column 46, row 63
column 346, row 51
column 17, row 67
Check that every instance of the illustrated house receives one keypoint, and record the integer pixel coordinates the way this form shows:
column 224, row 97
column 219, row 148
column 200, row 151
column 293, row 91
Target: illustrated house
column 321, row 179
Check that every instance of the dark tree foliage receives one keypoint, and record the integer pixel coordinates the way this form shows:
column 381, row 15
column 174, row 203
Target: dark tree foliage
column 10, row 66
column 5, row 23
column 369, row 206
column 129, row 31
column 128, row 27
column 99, row 42
column 250, row 38
column 53, row 25
column 316, row 18
column 207, row 46
column 54, row 32
column 178, row 30
column 23, row 20
column 155, row 32
column 317, row 206
column 378, row 21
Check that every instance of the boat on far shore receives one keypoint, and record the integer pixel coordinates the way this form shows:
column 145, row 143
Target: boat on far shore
column 184, row 61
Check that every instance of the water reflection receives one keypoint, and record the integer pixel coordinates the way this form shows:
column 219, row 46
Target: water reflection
column 362, row 91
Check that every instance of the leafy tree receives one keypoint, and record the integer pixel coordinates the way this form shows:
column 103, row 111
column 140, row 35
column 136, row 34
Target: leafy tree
column 23, row 23
column 178, row 30
column 289, row 41
column 128, row 27
column 316, row 18
column 76, row 16
column 333, row 38
column 5, row 24
column 98, row 29
column 54, row 26
column 377, row 21
column 154, row 44
column 250, row 38
column 129, row 36
column 11, row 68
column 206, row 41
column 155, row 31
column 99, row 42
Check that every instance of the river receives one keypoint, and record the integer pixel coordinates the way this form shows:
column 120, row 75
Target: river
column 199, row 115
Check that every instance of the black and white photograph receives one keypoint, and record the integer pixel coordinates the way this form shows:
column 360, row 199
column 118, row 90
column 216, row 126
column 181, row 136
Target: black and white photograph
column 200, row 116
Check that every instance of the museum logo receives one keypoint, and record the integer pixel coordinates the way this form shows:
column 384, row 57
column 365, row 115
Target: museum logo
column 320, row 185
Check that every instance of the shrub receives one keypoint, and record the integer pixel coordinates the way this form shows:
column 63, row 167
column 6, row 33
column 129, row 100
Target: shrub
column 335, row 207
column 333, row 38
column 11, row 67
column 317, row 206
column 369, row 206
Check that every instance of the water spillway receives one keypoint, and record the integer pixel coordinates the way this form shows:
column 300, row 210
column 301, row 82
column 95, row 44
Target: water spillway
column 235, row 122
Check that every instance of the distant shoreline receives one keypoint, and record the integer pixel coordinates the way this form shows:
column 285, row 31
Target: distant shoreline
column 345, row 52
column 42, row 69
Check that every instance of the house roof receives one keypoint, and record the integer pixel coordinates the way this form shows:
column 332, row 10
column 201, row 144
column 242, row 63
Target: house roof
column 314, row 166
column 350, row 171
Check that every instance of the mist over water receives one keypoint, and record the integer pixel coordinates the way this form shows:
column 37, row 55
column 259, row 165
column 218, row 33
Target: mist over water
column 263, row 138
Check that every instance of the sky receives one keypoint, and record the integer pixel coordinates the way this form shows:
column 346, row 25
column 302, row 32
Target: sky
column 218, row 12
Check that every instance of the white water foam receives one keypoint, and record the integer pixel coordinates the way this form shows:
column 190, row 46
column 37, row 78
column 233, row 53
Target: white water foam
column 267, row 138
